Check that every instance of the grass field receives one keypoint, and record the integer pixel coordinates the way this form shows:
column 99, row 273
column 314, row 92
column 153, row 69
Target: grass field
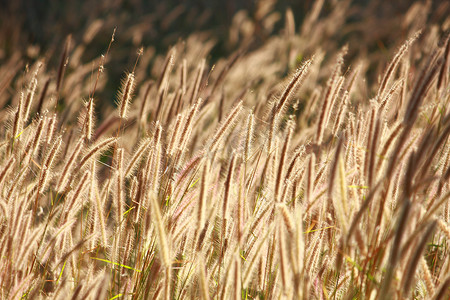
column 310, row 161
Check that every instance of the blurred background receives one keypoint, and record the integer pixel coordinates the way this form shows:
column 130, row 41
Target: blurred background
column 38, row 29
column 160, row 24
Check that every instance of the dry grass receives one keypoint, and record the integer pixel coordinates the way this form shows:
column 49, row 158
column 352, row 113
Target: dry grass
column 218, row 182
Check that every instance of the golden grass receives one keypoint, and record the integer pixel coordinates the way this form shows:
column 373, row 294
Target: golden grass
column 220, row 182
